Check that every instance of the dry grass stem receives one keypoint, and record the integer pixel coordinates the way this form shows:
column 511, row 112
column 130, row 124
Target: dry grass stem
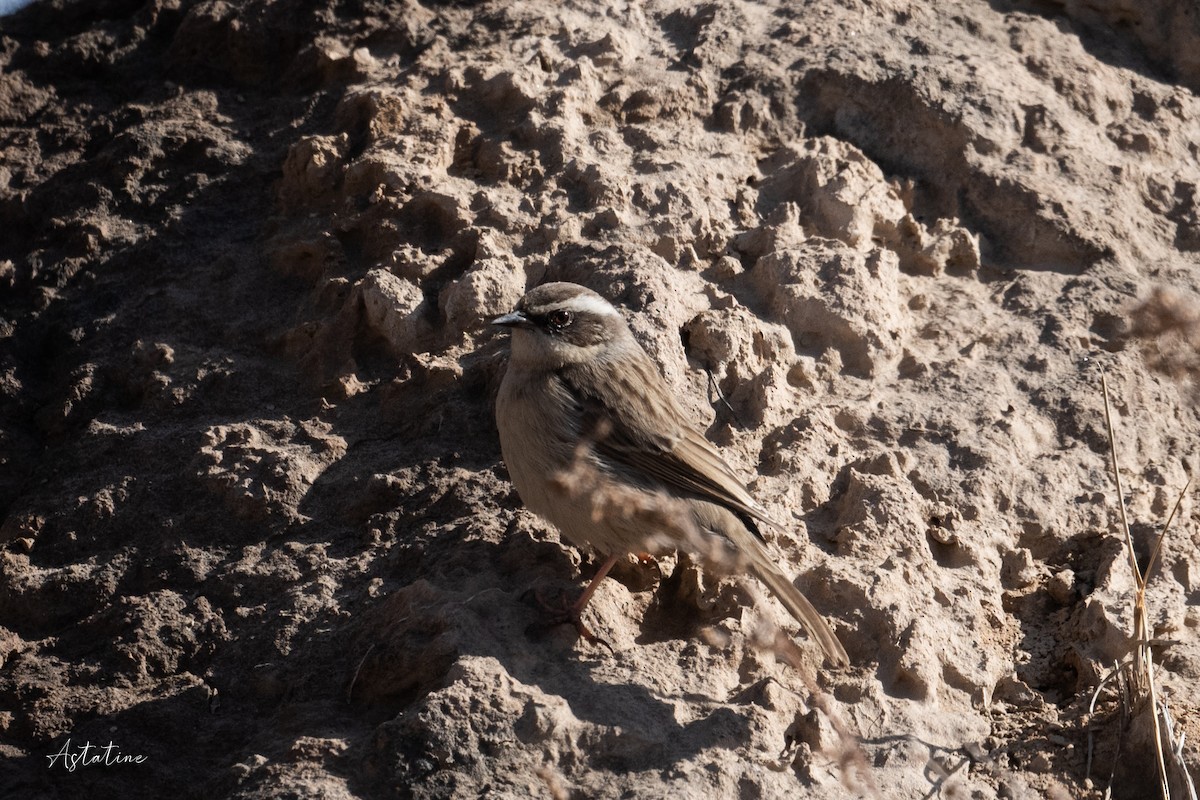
column 1118, row 673
column 354, row 678
column 1142, row 690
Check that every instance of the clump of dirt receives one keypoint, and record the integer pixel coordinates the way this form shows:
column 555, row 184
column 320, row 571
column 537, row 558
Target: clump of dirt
column 254, row 522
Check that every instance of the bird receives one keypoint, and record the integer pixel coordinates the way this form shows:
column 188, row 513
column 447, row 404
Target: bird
column 596, row 444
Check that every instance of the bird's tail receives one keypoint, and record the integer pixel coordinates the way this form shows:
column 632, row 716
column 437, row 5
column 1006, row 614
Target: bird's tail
column 748, row 552
column 799, row 607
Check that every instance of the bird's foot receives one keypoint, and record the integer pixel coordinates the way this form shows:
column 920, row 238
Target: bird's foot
column 562, row 612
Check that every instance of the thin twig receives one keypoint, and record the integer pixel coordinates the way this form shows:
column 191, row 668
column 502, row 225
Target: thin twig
column 358, row 669
column 1177, row 751
column 1126, row 714
column 716, row 387
column 1143, row 667
column 1152, row 684
column 1163, row 780
column 1158, row 544
column 1112, row 447
column 1091, row 734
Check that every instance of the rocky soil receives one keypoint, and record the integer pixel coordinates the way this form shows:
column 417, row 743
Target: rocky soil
column 254, row 523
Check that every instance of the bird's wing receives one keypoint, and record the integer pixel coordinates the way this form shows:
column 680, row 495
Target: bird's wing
column 654, row 440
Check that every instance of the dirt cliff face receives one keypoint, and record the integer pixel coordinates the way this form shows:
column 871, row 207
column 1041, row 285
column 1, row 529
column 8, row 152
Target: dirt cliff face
column 253, row 517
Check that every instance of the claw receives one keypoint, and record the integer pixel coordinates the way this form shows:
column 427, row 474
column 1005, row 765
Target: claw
column 561, row 612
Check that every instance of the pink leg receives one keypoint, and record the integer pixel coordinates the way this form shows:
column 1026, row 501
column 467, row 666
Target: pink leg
column 584, row 598
column 574, row 612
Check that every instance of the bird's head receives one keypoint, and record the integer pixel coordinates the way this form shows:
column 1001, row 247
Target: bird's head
column 559, row 324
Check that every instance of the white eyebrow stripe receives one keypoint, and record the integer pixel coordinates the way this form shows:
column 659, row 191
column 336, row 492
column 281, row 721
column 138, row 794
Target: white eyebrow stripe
column 589, row 303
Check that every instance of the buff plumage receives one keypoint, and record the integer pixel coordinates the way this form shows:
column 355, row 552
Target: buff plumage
column 583, row 404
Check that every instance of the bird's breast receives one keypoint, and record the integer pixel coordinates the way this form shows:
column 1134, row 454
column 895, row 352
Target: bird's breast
column 538, row 422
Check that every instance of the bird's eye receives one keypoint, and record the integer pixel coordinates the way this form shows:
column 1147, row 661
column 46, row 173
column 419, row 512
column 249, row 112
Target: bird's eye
column 559, row 319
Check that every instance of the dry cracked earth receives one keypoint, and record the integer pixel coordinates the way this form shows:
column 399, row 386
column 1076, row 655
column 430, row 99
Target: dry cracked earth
column 255, row 528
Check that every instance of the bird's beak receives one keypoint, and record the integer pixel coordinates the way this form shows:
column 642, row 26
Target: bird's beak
column 514, row 319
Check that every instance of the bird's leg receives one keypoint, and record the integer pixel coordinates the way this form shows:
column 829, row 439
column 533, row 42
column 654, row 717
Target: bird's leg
column 582, row 602
column 574, row 612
